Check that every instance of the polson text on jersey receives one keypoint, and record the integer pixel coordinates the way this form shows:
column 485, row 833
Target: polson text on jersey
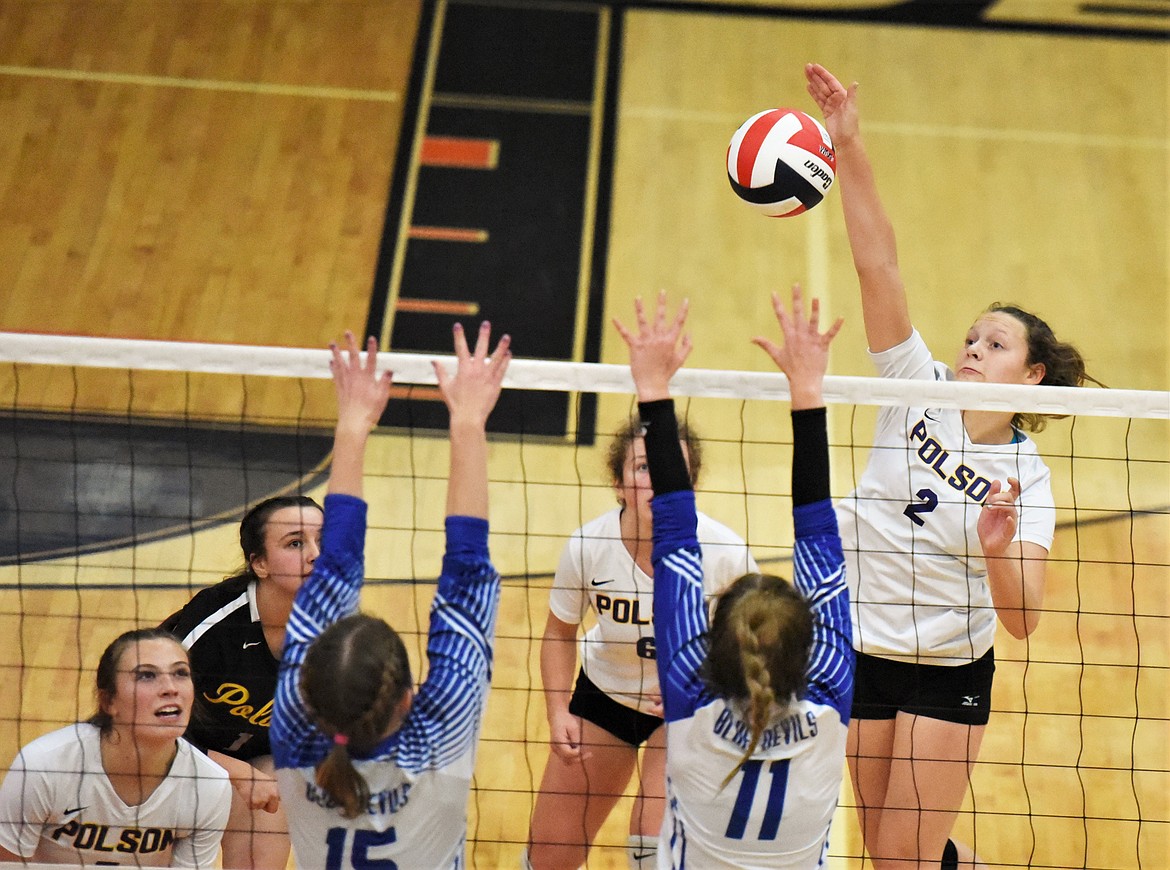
column 140, row 841
column 964, row 478
column 237, row 697
column 381, row 803
column 790, row 729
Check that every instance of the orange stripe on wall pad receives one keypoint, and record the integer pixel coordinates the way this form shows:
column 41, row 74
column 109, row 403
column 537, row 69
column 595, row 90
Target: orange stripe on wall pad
column 460, row 153
column 426, row 394
column 448, row 234
column 436, row 306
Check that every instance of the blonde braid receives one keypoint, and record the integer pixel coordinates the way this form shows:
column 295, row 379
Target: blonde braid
column 759, row 645
column 746, row 621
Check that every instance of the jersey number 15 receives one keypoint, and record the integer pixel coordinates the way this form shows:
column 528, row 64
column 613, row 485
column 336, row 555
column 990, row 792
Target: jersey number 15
column 363, row 841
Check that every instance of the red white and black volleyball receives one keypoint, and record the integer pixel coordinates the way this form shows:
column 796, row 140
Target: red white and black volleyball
column 781, row 162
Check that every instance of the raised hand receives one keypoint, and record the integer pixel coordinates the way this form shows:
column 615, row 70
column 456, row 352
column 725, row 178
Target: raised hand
column 361, row 393
column 838, row 106
column 804, row 356
column 471, row 393
column 658, row 349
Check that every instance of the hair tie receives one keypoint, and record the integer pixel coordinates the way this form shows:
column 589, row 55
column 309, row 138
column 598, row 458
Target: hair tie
column 340, row 739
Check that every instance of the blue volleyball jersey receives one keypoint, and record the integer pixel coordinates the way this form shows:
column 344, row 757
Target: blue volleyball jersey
column 419, row 777
column 777, row 810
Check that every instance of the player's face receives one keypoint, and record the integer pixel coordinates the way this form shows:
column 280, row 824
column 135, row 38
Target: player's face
column 153, row 692
column 292, row 542
column 995, row 351
column 633, row 491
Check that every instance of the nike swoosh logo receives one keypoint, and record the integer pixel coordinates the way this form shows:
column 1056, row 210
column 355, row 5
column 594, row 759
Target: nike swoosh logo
column 600, row 582
column 253, row 643
column 929, row 416
column 639, row 857
column 72, row 811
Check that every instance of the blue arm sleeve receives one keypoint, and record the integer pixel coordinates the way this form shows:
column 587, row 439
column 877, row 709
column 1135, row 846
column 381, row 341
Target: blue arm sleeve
column 680, row 612
column 459, row 649
column 819, row 574
column 331, row 592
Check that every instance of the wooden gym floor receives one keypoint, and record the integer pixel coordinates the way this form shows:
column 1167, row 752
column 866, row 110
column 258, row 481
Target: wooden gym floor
column 272, row 172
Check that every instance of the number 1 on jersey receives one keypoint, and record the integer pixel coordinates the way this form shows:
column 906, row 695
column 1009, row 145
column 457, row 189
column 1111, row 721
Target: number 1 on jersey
column 773, row 809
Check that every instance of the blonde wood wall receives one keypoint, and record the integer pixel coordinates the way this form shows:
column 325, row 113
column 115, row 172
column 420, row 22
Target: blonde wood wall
column 217, row 171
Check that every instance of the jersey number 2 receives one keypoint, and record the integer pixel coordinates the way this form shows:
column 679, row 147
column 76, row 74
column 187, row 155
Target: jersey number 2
column 773, row 809
column 363, row 841
column 914, row 510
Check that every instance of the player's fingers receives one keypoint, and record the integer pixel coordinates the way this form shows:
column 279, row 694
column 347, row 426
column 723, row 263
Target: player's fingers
column 461, row 351
column 371, row 354
column 483, row 340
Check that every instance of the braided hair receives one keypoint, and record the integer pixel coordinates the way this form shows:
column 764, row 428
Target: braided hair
column 760, row 642
column 353, row 678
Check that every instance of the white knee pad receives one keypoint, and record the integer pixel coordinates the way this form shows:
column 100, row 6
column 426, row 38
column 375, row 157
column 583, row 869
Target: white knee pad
column 641, row 852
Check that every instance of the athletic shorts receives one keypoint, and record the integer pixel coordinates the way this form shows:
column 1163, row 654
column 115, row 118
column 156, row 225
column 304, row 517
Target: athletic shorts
column 625, row 723
column 882, row 688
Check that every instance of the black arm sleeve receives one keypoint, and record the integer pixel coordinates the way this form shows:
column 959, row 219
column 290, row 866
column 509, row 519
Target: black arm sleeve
column 810, row 456
column 668, row 467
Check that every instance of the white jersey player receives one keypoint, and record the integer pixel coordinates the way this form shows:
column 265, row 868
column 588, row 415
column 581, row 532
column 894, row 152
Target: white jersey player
column 917, row 574
column 597, row 573
column 950, row 527
column 124, row 788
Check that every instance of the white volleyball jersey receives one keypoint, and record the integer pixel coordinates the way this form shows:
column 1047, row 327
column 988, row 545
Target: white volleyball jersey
column 917, row 576
column 777, row 809
column 596, row 571
column 58, row 806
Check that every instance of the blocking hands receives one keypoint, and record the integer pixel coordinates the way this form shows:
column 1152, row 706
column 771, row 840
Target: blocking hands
column 362, row 394
column 471, row 393
column 658, row 348
column 804, row 356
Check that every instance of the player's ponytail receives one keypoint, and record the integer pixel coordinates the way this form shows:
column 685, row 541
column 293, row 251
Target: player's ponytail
column 760, row 641
column 354, row 678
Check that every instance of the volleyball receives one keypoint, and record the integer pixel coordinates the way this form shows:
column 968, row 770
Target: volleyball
column 781, row 162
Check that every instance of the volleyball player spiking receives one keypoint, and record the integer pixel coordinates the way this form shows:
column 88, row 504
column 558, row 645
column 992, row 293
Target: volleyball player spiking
column 949, row 526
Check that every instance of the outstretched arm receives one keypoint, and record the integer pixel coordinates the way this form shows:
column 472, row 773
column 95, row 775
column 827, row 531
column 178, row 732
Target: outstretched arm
column 871, row 235
column 361, row 399
column 657, row 350
column 334, row 587
column 818, row 562
column 466, row 602
column 470, row 395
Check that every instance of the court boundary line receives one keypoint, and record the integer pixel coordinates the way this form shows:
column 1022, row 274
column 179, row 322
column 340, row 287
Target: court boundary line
column 216, row 85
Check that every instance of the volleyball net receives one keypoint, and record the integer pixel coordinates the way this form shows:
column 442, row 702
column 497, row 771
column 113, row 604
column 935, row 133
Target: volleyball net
column 126, row 465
